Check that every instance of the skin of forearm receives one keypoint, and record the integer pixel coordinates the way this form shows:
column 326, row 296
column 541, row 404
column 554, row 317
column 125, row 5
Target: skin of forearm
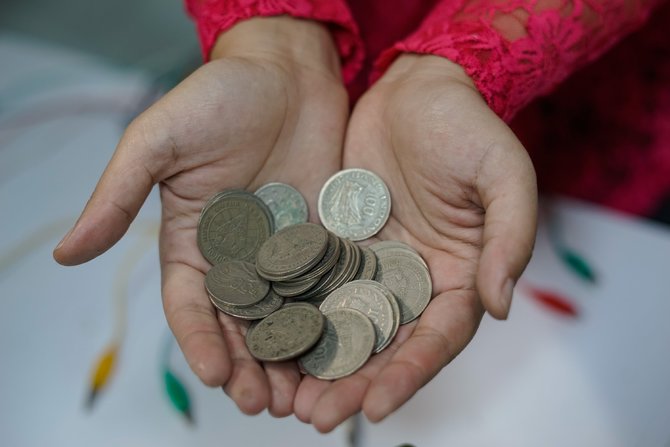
column 295, row 43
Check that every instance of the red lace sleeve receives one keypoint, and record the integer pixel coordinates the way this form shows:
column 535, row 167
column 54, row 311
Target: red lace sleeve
column 515, row 50
column 212, row 17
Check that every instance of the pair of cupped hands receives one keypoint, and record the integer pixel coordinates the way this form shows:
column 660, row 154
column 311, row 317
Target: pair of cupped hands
column 271, row 107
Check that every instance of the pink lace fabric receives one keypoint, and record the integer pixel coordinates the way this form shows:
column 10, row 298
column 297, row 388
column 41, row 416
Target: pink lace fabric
column 213, row 17
column 515, row 50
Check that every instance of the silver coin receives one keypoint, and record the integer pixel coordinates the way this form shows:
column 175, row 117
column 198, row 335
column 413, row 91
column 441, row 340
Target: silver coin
column 234, row 226
column 287, row 205
column 406, row 276
column 329, row 259
column 316, row 293
column 257, row 311
column 236, row 283
column 242, row 194
column 219, row 195
column 345, row 346
column 384, row 245
column 295, row 289
column 355, row 204
column 367, row 297
column 292, row 251
column 311, row 283
column 356, row 259
column 368, row 267
column 396, row 312
column 345, row 269
column 286, row 333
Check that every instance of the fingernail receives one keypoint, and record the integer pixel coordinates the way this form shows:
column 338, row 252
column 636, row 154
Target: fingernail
column 65, row 238
column 506, row 295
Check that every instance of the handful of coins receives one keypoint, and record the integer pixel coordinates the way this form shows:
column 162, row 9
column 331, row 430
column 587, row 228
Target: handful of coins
column 313, row 294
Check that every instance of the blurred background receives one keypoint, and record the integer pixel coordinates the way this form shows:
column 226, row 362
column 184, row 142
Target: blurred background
column 85, row 354
column 150, row 35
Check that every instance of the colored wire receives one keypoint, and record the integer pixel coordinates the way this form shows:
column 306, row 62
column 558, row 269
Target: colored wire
column 573, row 261
column 353, row 428
column 552, row 301
column 175, row 390
column 103, row 370
column 43, row 235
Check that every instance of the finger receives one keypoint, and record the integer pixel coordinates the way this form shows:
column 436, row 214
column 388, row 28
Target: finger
column 283, row 379
column 344, row 397
column 444, row 329
column 248, row 385
column 308, row 393
column 509, row 195
column 118, row 196
column 194, row 323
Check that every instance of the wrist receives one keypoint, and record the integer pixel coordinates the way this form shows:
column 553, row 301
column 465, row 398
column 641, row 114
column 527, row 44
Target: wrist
column 287, row 41
column 425, row 68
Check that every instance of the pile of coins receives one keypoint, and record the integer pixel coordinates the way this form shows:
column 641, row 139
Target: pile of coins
column 314, row 294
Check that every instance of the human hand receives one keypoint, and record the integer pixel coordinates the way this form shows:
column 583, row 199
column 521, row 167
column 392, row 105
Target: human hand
column 464, row 195
column 269, row 107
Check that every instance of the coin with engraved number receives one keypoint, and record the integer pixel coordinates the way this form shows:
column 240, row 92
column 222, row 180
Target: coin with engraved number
column 355, row 204
column 233, row 226
column 257, row 311
column 287, row 205
column 368, row 297
column 236, row 283
column 344, row 347
column 404, row 273
column 286, row 333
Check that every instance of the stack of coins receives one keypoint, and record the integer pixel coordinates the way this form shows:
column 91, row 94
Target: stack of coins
column 307, row 262
column 317, row 296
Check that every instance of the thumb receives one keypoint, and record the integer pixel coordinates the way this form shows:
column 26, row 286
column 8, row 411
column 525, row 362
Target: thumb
column 508, row 190
column 118, row 196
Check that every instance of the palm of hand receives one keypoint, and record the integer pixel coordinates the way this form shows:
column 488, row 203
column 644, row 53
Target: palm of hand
column 234, row 123
column 278, row 131
column 437, row 146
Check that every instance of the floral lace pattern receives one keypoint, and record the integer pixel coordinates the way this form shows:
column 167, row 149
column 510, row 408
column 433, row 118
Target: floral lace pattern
column 215, row 16
column 510, row 70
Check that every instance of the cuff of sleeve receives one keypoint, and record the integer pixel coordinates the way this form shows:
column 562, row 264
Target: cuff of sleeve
column 479, row 51
column 216, row 16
